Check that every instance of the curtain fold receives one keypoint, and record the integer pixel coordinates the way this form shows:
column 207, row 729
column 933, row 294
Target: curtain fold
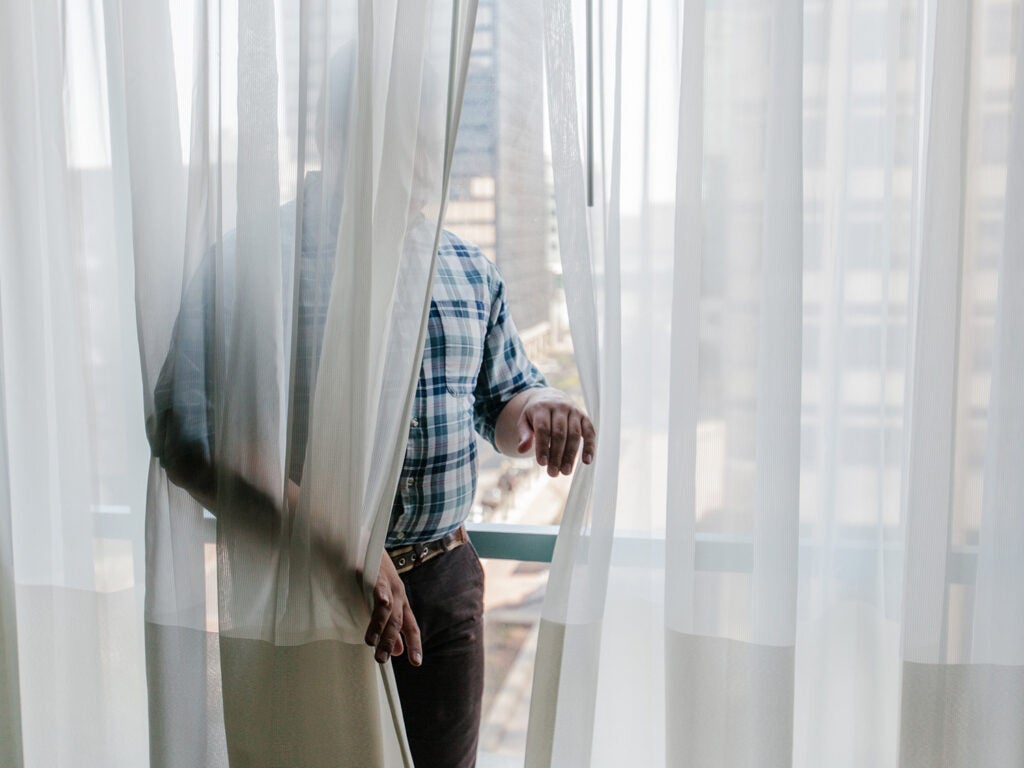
column 71, row 466
column 356, row 257
column 10, row 694
column 275, row 176
column 832, row 415
column 569, row 641
column 963, row 669
column 750, row 649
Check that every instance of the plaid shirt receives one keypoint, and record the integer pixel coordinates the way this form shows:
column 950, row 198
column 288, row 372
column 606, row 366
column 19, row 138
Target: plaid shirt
column 473, row 364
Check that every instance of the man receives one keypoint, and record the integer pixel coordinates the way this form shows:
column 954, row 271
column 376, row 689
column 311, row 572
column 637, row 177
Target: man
column 475, row 375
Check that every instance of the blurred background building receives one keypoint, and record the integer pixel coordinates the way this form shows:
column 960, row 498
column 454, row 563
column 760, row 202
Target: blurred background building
column 499, row 193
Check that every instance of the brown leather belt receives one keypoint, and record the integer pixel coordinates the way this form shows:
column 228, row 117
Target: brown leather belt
column 408, row 556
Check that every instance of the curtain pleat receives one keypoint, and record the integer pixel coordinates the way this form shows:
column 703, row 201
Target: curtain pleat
column 10, row 695
column 569, row 640
column 178, row 143
column 836, row 427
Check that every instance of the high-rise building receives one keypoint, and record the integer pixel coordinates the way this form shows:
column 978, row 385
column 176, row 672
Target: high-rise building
column 499, row 195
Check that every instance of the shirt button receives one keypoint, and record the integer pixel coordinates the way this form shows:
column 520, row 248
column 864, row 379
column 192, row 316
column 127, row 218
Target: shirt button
column 409, row 482
column 415, row 422
column 399, row 535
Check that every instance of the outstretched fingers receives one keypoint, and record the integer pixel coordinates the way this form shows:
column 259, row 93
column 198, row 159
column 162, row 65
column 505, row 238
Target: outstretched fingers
column 392, row 628
column 380, row 615
column 589, row 440
column 541, row 421
column 572, row 442
column 413, row 641
column 390, row 640
column 559, row 433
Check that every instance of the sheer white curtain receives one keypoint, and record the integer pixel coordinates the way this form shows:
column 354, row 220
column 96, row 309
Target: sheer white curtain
column 242, row 200
column 71, row 500
column 794, row 312
column 812, row 550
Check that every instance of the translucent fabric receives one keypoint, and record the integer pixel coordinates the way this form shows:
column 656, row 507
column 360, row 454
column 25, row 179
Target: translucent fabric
column 258, row 189
column 565, row 672
column 813, row 210
column 795, row 314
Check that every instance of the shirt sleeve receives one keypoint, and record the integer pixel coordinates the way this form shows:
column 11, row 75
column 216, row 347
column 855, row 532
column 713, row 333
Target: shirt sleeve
column 181, row 429
column 506, row 370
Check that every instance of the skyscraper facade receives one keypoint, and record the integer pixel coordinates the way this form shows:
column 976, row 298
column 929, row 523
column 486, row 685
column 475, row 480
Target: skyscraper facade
column 499, row 196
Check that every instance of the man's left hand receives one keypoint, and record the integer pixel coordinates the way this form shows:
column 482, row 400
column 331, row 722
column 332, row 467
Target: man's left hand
column 554, row 426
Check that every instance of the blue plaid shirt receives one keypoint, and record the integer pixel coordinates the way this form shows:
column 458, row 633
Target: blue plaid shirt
column 473, row 364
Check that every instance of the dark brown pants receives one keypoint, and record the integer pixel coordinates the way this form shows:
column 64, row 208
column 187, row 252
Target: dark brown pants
column 441, row 699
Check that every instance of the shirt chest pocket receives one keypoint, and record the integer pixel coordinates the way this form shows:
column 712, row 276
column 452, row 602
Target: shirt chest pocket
column 464, row 325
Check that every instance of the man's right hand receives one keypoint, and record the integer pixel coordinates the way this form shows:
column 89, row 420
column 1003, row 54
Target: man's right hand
column 393, row 627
